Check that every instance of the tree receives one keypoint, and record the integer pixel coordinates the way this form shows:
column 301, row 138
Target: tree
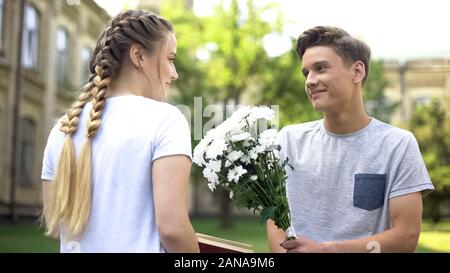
column 376, row 103
column 191, row 82
column 431, row 125
column 284, row 86
column 231, row 42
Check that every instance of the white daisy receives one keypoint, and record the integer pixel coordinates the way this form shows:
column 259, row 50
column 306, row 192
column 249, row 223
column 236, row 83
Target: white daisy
column 216, row 148
column 236, row 173
column 268, row 138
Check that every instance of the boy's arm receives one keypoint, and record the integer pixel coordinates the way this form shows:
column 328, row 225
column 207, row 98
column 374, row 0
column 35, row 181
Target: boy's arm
column 406, row 216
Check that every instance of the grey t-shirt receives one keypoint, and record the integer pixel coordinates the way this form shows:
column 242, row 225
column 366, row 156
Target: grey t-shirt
column 341, row 184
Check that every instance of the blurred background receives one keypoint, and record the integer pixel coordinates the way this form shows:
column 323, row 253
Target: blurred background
column 229, row 52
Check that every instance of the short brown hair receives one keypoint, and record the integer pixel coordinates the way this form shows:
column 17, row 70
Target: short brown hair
column 348, row 48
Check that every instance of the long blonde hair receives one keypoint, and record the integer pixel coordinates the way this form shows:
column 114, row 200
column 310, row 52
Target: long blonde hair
column 70, row 198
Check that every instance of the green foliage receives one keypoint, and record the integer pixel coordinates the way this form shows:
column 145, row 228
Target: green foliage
column 231, row 42
column 235, row 64
column 190, row 36
column 285, row 86
column 376, row 103
column 234, row 49
column 431, row 125
column 192, row 81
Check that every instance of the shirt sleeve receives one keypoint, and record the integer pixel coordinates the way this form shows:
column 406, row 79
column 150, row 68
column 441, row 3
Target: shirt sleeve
column 411, row 175
column 51, row 153
column 174, row 136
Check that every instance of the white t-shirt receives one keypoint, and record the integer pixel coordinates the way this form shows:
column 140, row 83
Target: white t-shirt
column 134, row 131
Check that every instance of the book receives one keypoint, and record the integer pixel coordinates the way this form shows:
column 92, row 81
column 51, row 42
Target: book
column 211, row 244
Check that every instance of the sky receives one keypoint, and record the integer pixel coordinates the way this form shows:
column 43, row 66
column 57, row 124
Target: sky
column 394, row 29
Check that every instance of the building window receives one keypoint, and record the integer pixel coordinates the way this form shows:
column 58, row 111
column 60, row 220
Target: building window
column 30, row 37
column 25, row 166
column 62, row 55
column 86, row 53
column 2, row 8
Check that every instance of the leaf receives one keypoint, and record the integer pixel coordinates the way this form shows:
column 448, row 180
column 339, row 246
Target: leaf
column 267, row 213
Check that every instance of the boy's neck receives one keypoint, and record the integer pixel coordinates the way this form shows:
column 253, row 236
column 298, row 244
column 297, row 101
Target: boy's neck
column 346, row 122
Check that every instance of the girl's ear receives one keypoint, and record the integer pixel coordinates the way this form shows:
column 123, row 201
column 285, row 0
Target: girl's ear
column 136, row 55
column 359, row 71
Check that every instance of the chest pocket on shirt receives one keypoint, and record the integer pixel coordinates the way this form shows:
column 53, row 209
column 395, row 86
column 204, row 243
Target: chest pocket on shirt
column 368, row 192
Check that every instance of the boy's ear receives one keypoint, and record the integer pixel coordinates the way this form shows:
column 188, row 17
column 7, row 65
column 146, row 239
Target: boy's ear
column 359, row 71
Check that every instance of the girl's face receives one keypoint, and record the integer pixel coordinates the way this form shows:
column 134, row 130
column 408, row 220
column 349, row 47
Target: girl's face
column 165, row 72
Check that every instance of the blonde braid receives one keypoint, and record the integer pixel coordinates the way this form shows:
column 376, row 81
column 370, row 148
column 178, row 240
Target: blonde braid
column 71, row 193
column 69, row 123
column 82, row 199
column 60, row 198
column 80, row 192
column 98, row 102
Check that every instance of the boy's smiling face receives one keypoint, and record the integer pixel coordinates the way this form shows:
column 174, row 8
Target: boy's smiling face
column 329, row 81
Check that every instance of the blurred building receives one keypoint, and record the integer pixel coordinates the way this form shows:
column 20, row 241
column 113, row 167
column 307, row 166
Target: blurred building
column 58, row 37
column 415, row 82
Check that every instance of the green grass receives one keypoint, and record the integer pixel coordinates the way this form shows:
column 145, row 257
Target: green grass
column 434, row 241
column 435, row 237
column 443, row 225
column 28, row 237
column 25, row 238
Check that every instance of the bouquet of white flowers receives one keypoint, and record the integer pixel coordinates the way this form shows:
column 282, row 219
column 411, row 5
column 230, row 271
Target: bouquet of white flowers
column 246, row 163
